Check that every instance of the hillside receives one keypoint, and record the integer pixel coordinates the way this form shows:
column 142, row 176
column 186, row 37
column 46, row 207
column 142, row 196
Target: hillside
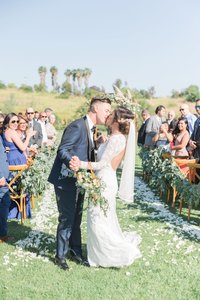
column 13, row 100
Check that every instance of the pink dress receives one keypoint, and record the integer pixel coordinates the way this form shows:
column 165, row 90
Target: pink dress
column 178, row 141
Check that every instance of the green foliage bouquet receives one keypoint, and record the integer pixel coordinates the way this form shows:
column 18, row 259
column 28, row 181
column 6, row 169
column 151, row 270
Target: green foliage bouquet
column 93, row 187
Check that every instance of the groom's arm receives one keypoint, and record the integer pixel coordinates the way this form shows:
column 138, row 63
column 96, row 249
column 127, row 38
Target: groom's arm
column 70, row 138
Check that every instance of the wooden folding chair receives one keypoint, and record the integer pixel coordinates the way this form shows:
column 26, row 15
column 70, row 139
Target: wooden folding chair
column 18, row 195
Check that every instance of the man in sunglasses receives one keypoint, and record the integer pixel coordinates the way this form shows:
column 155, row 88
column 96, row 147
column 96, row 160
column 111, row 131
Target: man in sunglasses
column 35, row 140
column 185, row 112
column 195, row 137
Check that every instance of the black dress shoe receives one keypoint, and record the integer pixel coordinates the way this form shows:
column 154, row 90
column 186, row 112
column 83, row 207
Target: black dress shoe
column 61, row 263
column 80, row 260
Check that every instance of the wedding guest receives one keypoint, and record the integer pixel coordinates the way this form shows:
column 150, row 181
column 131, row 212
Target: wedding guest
column 51, row 131
column 22, row 131
column 4, row 194
column 171, row 120
column 153, row 126
column 42, row 122
column 11, row 139
column 184, row 109
column 164, row 136
column 36, row 139
column 182, row 137
column 48, row 112
column 142, row 131
column 37, row 114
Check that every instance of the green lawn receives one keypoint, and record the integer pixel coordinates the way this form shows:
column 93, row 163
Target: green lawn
column 169, row 268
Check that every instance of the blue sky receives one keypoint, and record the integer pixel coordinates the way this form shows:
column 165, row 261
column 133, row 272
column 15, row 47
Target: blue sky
column 144, row 42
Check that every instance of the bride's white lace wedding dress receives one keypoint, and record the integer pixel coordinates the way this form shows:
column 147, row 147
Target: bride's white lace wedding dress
column 107, row 245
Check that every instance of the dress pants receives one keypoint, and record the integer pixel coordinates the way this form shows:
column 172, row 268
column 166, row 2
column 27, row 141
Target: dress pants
column 4, row 210
column 70, row 206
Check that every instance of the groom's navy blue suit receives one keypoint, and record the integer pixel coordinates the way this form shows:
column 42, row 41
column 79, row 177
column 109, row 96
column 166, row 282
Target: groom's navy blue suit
column 76, row 140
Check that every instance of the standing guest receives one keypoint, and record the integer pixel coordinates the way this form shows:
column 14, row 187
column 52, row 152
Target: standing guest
column 42, row 121
column 171, row 120
column 37, row 114
column 195, row 137
column 17, row 154
column 1, row 123
column 51, row 131
column 48, row 112
column 4, row 194
column 36, row 139
column 22, row 131
column 182, row 137
column 142, row 131
column 153, row 126
column 77, row 140
column 185, row 113
column 11, row 139
column 164, row 137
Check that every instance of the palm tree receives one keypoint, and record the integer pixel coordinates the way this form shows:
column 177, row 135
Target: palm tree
column 79, row 77
column 86, row 75
column 42, row 72
column 68, row 74
column 74, row 72
column 54, row 73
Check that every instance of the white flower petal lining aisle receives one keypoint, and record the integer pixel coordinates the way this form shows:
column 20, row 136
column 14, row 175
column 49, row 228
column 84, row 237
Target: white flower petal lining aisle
column 40, row 238
column 170, row 231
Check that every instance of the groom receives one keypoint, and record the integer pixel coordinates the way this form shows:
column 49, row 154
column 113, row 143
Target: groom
column 77, row 140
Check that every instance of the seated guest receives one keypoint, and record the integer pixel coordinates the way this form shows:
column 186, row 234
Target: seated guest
column 153, row 126
column 42, row 122
column 164, row 136
column 36, row 115
column 181, row 137
column 36, row 139
column 4, row 194
column 142, row 131
column 51, row 131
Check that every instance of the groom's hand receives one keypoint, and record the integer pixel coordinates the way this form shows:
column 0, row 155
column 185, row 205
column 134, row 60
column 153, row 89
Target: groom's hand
column 75, row 163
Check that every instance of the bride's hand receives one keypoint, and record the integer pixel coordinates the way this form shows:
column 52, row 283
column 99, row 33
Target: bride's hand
column 75, row 163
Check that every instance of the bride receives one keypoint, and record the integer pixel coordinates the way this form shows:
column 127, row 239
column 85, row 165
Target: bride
column 107, row 245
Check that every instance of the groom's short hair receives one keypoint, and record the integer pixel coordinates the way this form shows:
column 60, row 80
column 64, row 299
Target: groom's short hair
column 100, row 98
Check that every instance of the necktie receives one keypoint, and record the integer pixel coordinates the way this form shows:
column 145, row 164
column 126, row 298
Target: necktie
column 93, row 129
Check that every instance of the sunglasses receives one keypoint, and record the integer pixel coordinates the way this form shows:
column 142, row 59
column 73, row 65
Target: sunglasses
column 30, row 113
column 14, row 121
column 182, row 109
column 197, row 106
column 43, row 116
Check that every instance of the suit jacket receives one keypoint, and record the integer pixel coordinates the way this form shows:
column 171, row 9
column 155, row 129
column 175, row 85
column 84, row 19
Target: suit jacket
column 37, row 138
column 4, row 172
column 76, row 140
column 142, row 132
column 196, row 137
column 152, row 128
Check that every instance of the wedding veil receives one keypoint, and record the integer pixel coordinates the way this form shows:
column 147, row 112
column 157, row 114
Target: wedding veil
column 126, row 188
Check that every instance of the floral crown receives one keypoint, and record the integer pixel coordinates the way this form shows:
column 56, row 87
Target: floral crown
column 120, row 99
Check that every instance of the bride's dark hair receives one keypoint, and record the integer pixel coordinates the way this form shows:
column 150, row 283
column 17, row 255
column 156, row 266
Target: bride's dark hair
column 123, row 116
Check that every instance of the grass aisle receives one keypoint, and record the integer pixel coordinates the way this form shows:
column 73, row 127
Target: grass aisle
column 169, row 268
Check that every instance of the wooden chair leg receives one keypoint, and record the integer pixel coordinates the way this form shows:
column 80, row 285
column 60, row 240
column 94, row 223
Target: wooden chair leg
column 189, row 211
column 174, row 196
column 181, row 206
column 168, row 195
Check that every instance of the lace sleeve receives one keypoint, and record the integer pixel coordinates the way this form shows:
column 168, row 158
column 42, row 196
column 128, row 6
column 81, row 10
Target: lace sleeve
column 115, row 145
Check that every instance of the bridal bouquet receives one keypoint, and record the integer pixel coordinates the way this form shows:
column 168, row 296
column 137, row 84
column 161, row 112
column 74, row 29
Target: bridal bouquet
column 93, row 187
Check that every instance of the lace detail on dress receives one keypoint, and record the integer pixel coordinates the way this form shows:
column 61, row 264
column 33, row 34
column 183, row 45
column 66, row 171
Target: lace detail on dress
column 114, row 146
